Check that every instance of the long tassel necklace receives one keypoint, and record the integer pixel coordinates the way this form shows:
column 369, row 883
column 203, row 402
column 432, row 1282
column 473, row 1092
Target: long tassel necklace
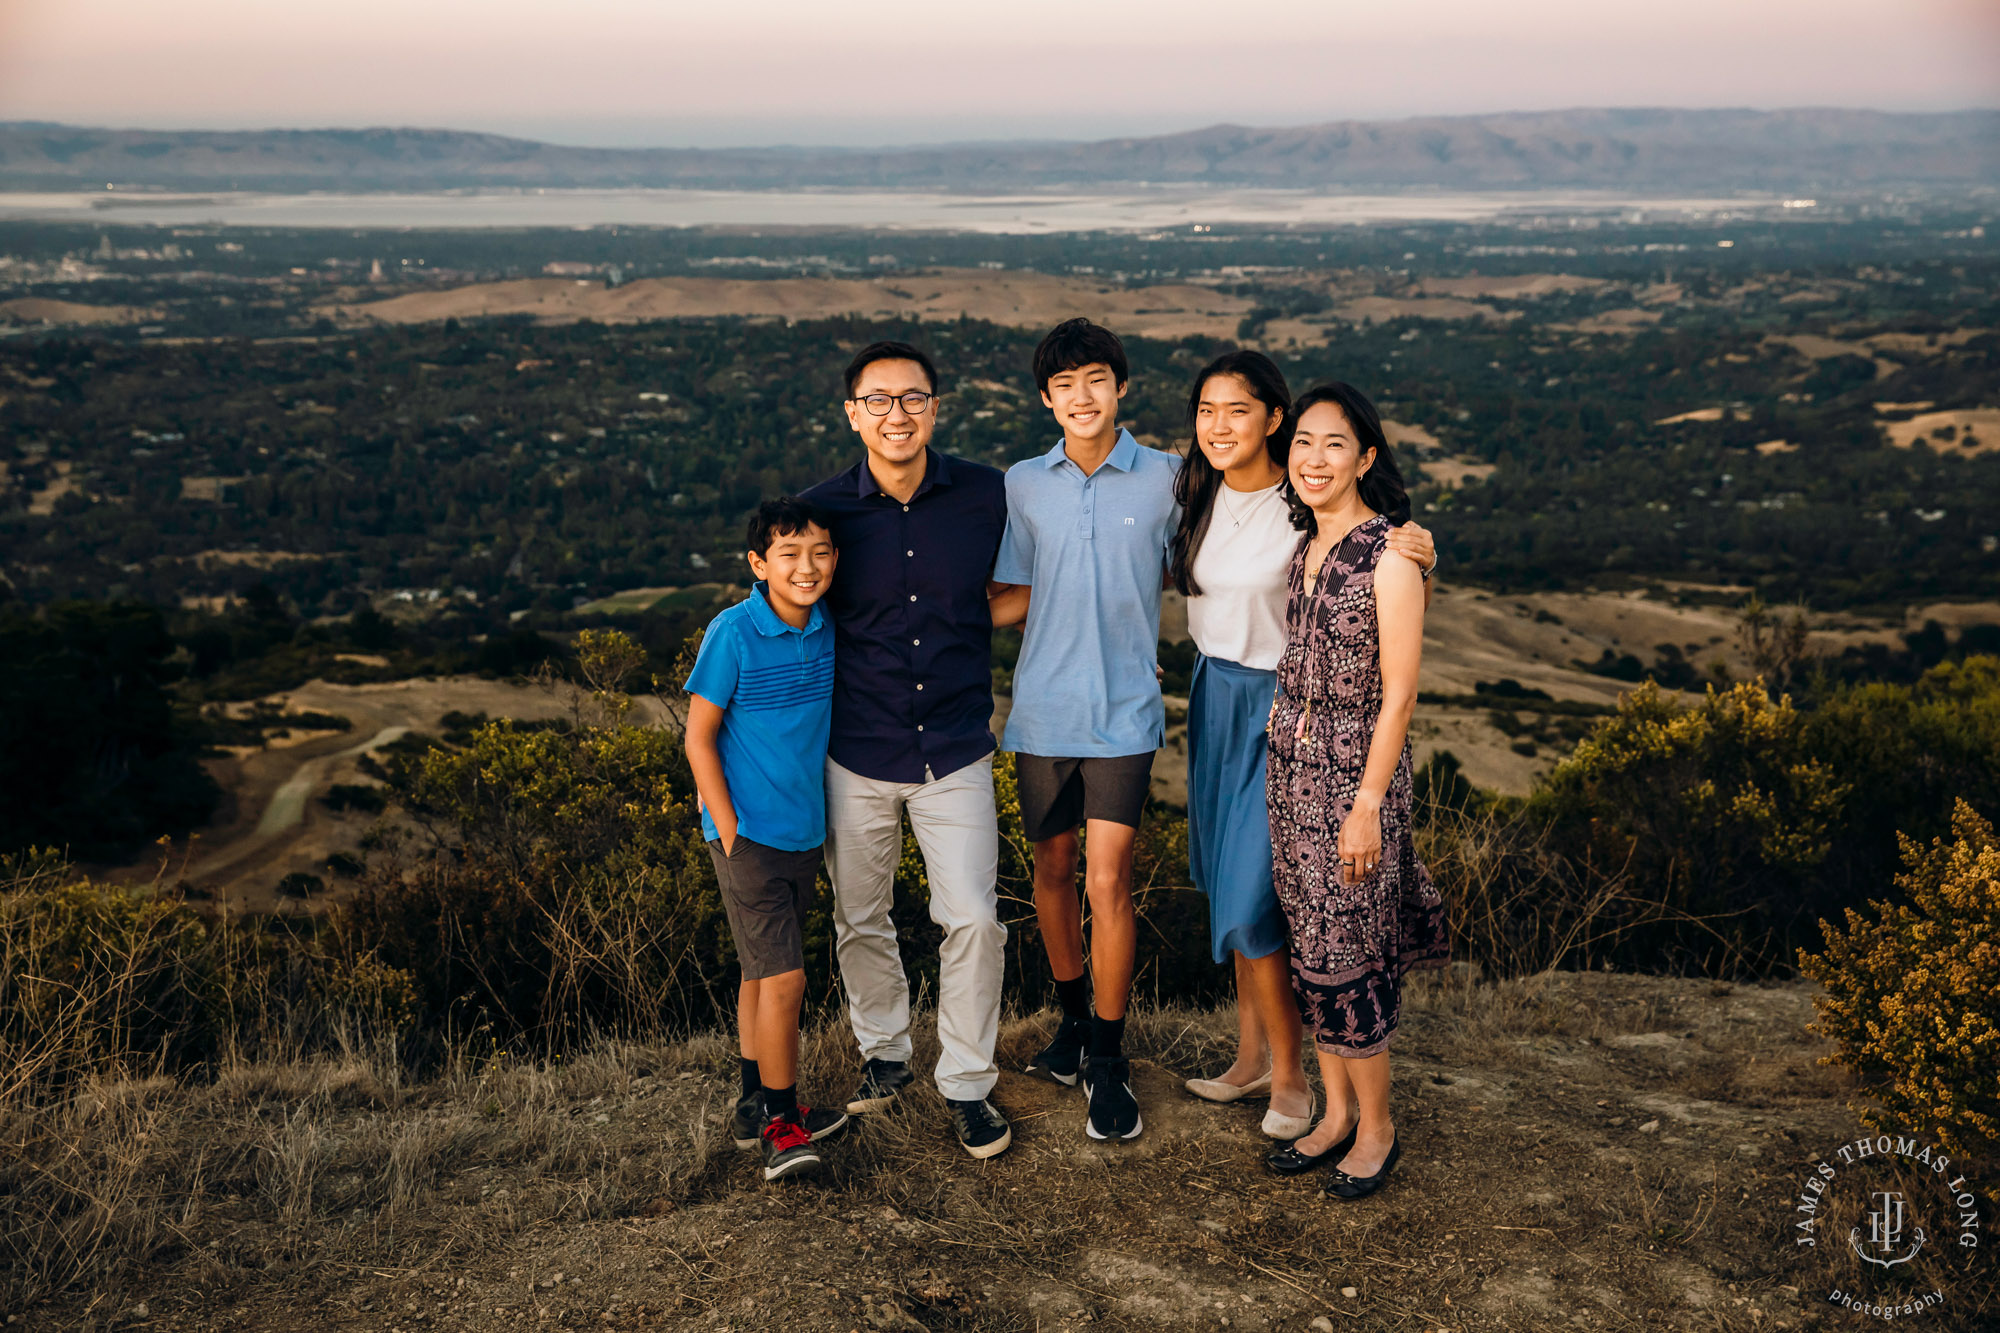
column 1313, row 581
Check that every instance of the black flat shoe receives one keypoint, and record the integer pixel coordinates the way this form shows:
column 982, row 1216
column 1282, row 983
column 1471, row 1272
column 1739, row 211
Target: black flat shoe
column 1289, row 1161
column 1341, row 1185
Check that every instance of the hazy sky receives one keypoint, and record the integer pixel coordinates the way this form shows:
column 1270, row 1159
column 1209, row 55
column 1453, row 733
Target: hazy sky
column 668, row 72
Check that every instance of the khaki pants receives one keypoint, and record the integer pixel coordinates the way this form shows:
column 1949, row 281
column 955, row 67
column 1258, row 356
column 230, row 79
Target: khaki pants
column 956, row 827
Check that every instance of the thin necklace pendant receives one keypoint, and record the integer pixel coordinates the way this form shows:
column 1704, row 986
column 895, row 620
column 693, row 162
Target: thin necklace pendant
column 1313, row 574
column 1229, row 508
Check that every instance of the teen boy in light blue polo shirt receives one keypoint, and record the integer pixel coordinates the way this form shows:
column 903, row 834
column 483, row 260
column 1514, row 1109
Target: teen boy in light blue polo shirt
column 1088, row 525
column 760, row 701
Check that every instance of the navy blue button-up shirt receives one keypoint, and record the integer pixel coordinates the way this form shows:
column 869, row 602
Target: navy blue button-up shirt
column 913, row 636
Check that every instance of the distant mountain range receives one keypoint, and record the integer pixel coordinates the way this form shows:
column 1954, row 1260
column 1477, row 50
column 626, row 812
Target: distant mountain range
column 1646, row 149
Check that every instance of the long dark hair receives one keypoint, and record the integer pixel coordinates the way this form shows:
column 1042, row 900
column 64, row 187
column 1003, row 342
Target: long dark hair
column 1382, row 487
column 1198, row 480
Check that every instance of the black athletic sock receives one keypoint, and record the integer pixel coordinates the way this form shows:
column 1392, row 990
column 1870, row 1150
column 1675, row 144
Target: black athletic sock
column 748, row 1070
column 782, row 1103
column 1074, row 996
column 1107, row 1037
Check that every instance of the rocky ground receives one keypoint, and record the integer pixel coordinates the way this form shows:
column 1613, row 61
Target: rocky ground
column 1585, row 1151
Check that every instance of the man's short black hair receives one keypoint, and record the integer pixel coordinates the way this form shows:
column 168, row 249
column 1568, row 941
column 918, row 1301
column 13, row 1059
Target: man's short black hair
column 786, row 516
column 1075, row 343
column 888, row 351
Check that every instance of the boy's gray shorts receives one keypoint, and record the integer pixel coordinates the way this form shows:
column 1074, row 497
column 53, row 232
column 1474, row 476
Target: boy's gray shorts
column 765, row 894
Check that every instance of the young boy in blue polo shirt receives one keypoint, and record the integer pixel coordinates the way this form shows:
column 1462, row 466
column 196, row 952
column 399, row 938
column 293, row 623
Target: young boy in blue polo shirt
column 759, row 705
column 1088, row 527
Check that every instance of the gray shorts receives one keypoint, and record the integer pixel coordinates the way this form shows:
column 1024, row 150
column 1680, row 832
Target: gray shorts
column 765, row 894
column 1059, row 794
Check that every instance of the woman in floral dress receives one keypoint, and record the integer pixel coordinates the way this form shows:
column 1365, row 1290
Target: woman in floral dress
column 1360, row 906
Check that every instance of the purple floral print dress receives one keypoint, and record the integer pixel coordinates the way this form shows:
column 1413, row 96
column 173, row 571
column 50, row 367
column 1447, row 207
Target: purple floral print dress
column 1351, row 944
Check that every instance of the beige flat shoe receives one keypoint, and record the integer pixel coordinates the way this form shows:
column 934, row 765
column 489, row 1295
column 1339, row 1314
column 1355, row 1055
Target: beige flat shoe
column 1278, row 1125
column 1215, row 1090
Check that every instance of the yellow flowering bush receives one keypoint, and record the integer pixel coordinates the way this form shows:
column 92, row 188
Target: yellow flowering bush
column 1913, row 992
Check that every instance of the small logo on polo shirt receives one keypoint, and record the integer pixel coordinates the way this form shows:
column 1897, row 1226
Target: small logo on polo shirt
column 1130, row 521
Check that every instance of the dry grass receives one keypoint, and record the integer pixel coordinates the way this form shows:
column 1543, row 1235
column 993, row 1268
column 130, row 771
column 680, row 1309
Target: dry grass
column 1013, row 297
column 1964, row 432
column 46, row 310
column 601, row 1189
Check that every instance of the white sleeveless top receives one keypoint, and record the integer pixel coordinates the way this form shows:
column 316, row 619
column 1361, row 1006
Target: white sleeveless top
column 1240, row 569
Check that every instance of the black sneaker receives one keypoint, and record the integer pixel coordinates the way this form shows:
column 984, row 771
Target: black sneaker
column 822, row 1121
column 747, row 1125
column 982, row 1130
column 1062, row 1058
column 1114, row 1111
column 881, row 1080
column 788, row 1148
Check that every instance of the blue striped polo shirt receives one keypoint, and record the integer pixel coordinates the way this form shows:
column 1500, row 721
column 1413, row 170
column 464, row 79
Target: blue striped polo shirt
column 774, row 685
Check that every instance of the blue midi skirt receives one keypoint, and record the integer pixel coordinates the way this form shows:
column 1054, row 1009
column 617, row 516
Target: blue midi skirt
column 1229, row 831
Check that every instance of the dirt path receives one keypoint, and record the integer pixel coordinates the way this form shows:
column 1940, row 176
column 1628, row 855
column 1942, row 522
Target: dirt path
column 273, row 822
column 284, row 811
column 288, row 804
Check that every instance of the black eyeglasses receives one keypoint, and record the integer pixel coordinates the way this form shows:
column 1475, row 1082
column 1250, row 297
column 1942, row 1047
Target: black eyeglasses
column 914, row 402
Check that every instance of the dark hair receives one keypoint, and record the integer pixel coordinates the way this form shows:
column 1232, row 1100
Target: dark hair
column 786, row 516
column 888, row 351
column 1075, row 343
column 1382, row 487
column 1198, row 480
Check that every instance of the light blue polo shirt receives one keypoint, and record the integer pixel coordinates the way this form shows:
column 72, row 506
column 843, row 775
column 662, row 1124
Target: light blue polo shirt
column 774, row 685
column 1093, row 548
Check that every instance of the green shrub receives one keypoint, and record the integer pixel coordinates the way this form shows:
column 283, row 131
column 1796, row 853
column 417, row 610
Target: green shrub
column 1711, row 835
column 1908, row 753
column 97, row 977
column 566, row 887
column 1717, row 810
column 1910, row 997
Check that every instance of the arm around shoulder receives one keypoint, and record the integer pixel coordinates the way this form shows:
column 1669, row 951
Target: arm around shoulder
column 1008, row 603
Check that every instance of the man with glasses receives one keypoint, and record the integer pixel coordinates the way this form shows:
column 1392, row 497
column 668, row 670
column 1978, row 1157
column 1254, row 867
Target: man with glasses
column 918, row 532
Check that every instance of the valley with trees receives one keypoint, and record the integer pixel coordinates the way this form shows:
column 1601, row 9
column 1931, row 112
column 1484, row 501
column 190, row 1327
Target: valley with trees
column 348, row 580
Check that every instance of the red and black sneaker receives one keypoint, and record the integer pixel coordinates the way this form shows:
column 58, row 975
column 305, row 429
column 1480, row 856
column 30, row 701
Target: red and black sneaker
column 745, row 1126
column 788, row 1147
column 822, row 1121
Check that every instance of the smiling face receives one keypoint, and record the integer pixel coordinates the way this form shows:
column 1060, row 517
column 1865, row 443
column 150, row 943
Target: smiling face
column 798, row 568
column 1327, row 462
column 1232, row 426
column 1085, row 401
column 902, row 435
